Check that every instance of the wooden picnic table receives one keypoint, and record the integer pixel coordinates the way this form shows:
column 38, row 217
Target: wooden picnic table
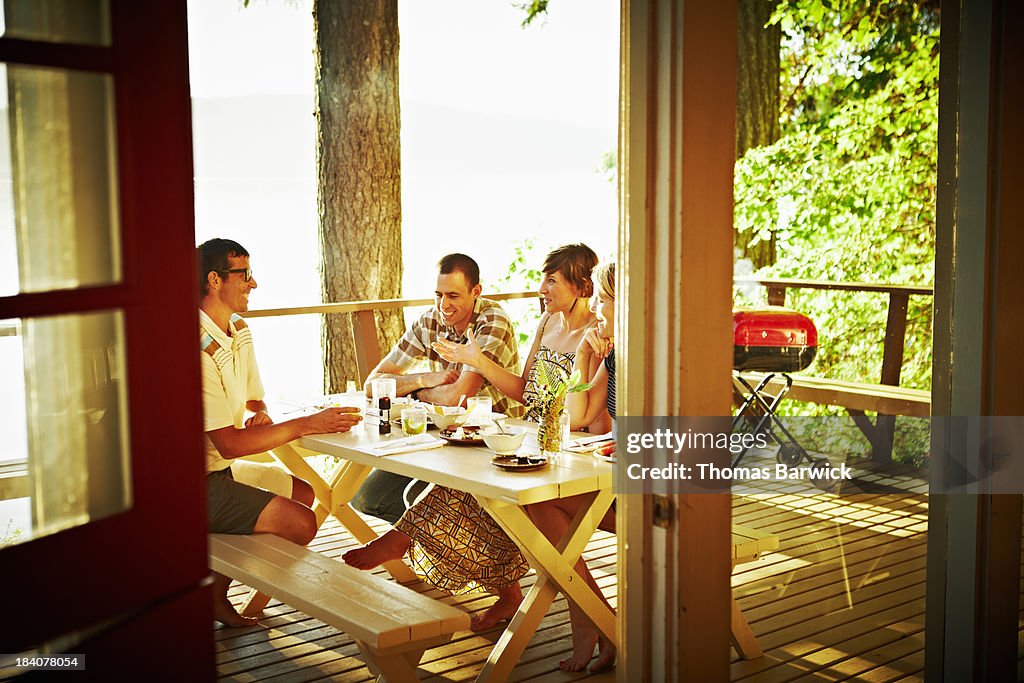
column 502, row 494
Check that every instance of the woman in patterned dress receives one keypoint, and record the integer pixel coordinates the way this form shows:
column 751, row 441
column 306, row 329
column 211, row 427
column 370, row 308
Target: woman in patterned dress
column 450, row 540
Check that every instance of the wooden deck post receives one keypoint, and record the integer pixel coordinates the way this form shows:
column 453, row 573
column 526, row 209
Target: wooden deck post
column 676, row 155
column 776, row 295
column 364, row 329
column 892, row 365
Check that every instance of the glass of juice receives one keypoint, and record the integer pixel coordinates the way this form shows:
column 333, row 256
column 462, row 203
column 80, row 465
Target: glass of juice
column 414, row 420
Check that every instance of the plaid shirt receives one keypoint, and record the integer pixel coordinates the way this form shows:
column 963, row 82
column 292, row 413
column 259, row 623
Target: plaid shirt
column 494, row 334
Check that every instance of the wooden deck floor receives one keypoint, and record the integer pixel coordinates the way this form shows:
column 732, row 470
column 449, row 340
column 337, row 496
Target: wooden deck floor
column 842, row 598
column 289, row 646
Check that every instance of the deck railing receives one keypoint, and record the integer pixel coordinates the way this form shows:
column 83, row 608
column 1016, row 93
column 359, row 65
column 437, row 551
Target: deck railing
column 364, row 328
column 369, row 353
column 880, row 433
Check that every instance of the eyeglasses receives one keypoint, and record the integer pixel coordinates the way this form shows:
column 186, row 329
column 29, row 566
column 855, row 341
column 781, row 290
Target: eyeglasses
column 246, row 271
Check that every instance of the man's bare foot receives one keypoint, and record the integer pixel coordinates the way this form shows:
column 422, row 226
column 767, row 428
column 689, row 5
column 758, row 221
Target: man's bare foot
column 225, row 613
column 605, row 656
column 584, row 639
column 508, row 602
column 391, row 546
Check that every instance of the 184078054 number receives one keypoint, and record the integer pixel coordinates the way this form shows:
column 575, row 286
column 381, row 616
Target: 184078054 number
column 21, row 663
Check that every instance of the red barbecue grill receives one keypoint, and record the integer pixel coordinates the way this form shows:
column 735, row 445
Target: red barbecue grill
column 778, row 341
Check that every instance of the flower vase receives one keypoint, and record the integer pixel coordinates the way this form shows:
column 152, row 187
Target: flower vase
column 549, row 433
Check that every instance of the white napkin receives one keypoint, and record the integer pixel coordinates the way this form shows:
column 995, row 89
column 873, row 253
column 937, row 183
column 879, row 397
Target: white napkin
column 589, row 443
column 417, row 442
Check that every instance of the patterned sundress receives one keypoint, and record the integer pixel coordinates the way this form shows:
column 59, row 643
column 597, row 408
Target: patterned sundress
column 456, row 546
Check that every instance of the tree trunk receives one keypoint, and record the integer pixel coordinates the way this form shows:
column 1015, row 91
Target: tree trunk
column 757, row 100
column 359, row 194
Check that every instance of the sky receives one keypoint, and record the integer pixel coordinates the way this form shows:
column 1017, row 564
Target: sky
column 464, row 54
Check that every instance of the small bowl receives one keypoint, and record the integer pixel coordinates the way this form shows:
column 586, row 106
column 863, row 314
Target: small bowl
column 456, row 418
column 505, row 444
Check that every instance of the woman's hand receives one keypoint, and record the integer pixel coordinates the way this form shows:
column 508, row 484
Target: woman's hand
column 595, row 344
column 467, row 354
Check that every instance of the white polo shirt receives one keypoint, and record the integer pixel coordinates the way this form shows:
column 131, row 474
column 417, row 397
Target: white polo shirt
column 230, row 379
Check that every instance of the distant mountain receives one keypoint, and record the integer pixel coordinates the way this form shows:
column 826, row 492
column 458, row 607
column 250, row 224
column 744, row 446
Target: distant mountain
column 275, row 136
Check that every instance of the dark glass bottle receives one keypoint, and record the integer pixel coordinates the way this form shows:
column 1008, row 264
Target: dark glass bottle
column 384, row 405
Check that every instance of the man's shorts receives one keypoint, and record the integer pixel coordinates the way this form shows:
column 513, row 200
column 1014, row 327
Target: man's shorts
column 236, row 495
column 384, row 495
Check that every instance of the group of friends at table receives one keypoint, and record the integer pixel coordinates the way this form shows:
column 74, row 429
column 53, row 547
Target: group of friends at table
column 469, row 345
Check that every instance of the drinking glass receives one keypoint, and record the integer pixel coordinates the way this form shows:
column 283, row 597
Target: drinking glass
column 385, row 386
column 414, row 420
column 479, row 406
column 351, row 400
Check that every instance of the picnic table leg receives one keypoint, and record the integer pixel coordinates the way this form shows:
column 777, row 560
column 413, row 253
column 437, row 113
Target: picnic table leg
column 393, row 668
column 297, row 466
column 555, row 570
column 344, row 484
column 547, row 560
column 254, row 604
column 743, row 639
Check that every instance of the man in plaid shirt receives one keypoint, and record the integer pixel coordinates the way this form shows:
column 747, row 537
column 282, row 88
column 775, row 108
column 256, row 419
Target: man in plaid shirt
column 458, row 308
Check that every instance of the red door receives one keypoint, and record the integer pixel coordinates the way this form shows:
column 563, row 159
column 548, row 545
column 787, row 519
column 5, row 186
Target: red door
column 98, row 305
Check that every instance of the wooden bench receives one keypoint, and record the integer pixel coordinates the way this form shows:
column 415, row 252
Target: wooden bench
column 391, row 624
column 747, row 545
column 880, row 398
column 856, row 397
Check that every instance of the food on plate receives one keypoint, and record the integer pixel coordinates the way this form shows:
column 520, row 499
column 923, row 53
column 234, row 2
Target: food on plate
column 463, row 433
column 606, row 450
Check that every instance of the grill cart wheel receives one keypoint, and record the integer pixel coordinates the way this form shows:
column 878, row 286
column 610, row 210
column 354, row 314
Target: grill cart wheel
column 825, row 482
column 790, row 454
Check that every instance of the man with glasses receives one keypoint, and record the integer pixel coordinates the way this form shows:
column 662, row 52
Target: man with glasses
column 246, row 497
column 458, row 307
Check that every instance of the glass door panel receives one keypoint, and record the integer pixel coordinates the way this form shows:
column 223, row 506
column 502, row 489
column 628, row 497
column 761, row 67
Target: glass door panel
column 59, row 225
column 60, row 21
column 74, row 417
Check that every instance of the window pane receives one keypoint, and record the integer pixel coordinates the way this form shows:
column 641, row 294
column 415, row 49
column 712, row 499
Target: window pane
column 85, row 22
column 64, row 417
column 58, row 192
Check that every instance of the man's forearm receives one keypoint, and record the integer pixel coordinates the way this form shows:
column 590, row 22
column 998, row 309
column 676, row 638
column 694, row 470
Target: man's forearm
column 468, row 384
column 237, row 443
column 441, row 395
column 406, row 384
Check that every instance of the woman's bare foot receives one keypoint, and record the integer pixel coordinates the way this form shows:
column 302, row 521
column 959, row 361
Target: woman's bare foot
column 605, row 656
column 391, row 546
column 509, row 598
column 225, row 613
column 584, row 639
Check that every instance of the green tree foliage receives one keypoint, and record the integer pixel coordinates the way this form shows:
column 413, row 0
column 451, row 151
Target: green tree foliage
column 523, row 274
column 849, row 189
column 532, row 10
